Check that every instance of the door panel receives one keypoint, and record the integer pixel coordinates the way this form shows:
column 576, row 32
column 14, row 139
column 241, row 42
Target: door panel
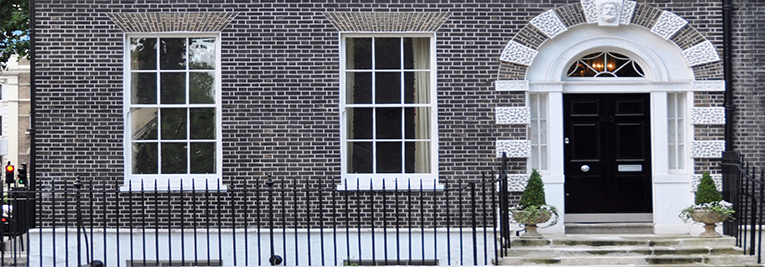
column 607, row 153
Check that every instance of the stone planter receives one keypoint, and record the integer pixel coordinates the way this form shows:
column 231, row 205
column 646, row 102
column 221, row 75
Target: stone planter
column 530, row 220
column 710, row 219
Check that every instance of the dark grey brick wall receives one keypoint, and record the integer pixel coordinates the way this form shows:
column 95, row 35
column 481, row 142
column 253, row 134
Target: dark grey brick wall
column 280, row 82
column 748, row 59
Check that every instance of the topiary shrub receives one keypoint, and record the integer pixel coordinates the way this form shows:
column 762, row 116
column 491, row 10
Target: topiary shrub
column 707, row 191
column 534, row 193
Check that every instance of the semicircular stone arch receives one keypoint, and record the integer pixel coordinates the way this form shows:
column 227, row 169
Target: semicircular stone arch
column 521, row 50
column 698, row 52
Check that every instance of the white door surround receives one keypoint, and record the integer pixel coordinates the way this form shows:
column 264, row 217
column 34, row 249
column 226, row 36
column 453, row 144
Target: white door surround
column 668, row 70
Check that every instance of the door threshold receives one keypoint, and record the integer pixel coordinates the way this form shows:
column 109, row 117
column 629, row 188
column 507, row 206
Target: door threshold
column 622, row 228
column 608, row 218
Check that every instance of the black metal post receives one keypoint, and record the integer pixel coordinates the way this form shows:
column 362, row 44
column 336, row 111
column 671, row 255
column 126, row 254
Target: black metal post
column 78, row 187
column 504, row 217
column 274, row 259
column 474, row 222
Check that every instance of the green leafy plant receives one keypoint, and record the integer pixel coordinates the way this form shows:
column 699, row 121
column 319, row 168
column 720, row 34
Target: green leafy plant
column 14, row 30
column 708, row 199
column 533, row 206
column 707, row 191
column 534, row 193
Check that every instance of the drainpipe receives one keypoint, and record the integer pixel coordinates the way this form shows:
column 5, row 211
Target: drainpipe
column 32, row 99
column 729, row 156
column 728, row 72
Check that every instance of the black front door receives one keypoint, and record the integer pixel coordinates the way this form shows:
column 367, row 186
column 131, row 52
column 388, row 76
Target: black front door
column 607, row 154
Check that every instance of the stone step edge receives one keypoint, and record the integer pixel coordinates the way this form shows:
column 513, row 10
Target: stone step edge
column 709, row 249
column 630, row 259
column 622, row 242
column 638, row 265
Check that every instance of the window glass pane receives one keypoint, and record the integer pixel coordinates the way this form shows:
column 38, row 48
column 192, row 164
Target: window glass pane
column 202, row 88
column 360, row 157
column 672, row 105
column 173, row 88
column 417, row 123
column 388, row 123
column 143, row 88
column 387, row 87
column 173, row 123
column 680, row 132
column 358, row 55
column 202, row 123
column 417, row 157
column 605, row 64
column 416, row 53
column 680, row 153
column 358, row 87
column 144, row 122
column 172, row 53
column 145, row 160
column 672, row 131
column 417, row 87
column 542, row 132
column 203, row 157
column 174, row 158
column 143, row 53
column 388, row 157
column 542, row 107
column 543, row 158
column 672, row 157
column 359, row 123
column 387, row 53
column 202, row 53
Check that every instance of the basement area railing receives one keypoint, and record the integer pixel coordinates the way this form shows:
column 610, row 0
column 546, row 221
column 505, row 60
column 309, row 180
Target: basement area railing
column 269, row 221
column 744, row 186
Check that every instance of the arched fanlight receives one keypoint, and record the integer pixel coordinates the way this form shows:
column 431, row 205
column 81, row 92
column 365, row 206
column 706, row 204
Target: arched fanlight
column 605, row 64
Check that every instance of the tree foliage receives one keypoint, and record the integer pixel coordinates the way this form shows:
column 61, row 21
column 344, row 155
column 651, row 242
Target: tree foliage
column 14, row 29
column 707, row 191
column 534, row 194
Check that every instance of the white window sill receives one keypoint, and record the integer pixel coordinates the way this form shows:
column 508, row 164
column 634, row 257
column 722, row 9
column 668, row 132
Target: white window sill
column 389, row 184
column 168, row 184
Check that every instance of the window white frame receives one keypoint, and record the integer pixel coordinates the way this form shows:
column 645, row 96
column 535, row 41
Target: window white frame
column 677, row 132
column 538, row 132
column 389, row 181
column 164, row 182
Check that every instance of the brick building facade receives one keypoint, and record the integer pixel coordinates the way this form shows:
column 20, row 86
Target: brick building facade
column 286, row 87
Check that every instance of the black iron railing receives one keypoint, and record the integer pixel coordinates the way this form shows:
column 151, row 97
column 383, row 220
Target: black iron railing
column 258, row 222
column 744, row 187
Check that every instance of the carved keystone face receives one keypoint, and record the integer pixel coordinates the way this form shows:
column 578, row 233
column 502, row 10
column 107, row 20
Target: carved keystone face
column 608, row 11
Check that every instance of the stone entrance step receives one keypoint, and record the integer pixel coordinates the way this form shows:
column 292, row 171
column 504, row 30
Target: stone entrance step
column 609, row 228
column 625, row 250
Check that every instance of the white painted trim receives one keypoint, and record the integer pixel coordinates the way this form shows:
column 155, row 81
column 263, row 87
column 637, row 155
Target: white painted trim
column 514, row 148
column 702, row 53
column 518, row 53
column 707, row 149
column 383, row 181
column 708, row 86
column 668, row 24
column 512, row 115
column 511, row 85
column 666, row 71
column 165, row 182
column 708, row 116
column 549, row 23
column 658, row 57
